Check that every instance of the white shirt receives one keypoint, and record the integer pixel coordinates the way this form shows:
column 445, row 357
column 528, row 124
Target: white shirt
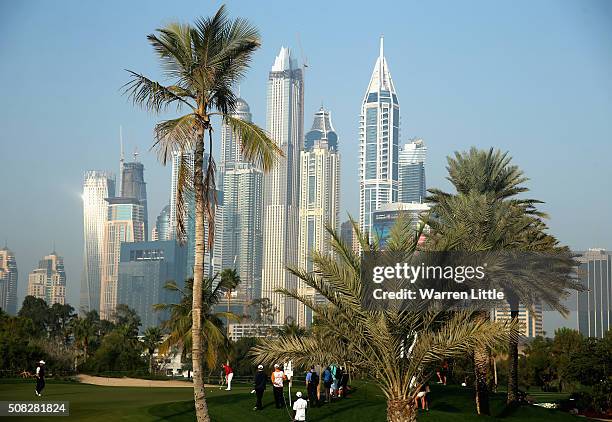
column 278, row 378
column 300, row 406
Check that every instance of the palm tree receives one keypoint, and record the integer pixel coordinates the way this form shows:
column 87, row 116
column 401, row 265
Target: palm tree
column 396, row 348
column 84, row 330
column 152, row 338
column 232, row 276
column 179, row 325
column 203, row 63
column 485, row 215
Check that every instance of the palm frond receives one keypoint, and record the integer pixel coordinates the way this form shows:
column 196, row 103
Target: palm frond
column 154, row 96
column 257, row 146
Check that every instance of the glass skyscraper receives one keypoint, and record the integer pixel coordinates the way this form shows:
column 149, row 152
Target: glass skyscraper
column 8, row 281
column 379, row 143
column 97, row 187
column 412, row 172
column 285, row 124
column 144, row 269
column 134, row 186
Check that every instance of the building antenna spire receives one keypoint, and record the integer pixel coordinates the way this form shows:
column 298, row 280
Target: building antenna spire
column 382, row 46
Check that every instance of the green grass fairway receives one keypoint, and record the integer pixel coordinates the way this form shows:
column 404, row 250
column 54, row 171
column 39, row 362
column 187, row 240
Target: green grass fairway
column 94, row 403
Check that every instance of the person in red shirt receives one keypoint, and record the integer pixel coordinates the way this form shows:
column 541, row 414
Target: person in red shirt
column 229, row 374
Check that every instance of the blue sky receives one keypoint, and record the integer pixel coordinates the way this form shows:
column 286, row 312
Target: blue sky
column 533, row 78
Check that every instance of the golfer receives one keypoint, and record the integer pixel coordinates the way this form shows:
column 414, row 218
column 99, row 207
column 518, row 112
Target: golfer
column 40, row 378
column 229, row 374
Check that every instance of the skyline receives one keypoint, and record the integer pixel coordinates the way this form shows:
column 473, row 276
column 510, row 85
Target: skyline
column 586, row 163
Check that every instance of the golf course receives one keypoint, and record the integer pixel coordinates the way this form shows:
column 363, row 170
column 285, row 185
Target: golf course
column 105, row 403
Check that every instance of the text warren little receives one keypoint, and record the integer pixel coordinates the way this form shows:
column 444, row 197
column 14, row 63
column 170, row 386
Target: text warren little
column 408, row 294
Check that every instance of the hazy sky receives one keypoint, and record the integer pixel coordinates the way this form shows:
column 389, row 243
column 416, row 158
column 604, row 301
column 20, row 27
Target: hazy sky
column 533, row 78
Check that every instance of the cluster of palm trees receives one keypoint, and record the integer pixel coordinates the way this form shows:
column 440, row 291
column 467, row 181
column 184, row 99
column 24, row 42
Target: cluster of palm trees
column 203, row 63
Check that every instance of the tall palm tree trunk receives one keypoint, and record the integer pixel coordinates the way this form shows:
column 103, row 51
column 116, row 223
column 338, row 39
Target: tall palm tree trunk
column 199, row 393
column 481, row 370
column 513, row 363
column 401, row 410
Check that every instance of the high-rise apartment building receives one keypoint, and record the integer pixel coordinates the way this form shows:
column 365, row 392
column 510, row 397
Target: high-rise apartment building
column 97, row 187
column 134, row 186
column 48, row 281
column 240, row 217
column 186, row 160
column 412, row 171
column 379, row 127
column 285, row 124
column 8, row 281
column 319, row 196
column 125, row 223
column 594, row 308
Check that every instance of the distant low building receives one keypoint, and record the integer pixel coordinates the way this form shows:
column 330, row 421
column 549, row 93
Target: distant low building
column 144, row 269
column 530, row 322
column 238, row 331
column 385, row 218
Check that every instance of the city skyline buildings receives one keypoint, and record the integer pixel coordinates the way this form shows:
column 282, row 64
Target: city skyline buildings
column 285, row 125
column 379, row 133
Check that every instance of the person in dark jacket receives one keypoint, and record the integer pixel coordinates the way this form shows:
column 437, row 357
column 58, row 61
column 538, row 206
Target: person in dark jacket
column 260, row 386
column 40, row 378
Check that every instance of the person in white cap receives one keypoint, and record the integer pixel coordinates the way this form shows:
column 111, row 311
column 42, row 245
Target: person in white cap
column 278, row 376
column 260, row 386
column 299, row 406
column 40, row 378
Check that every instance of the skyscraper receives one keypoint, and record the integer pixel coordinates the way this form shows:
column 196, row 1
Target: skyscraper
column 162, row 231
column 125, row 223
column 240, row 216
column 379, row 143
column 187, row 159
column 97, row 186
column 412, row 172
column 48, row 281
column 8, row 281
column 134, row 186
column 319, row 195
column 595, row 302
column 285, row 124
column 144, row 269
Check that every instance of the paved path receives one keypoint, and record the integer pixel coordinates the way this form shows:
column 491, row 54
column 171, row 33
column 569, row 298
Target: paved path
column 131, row 382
